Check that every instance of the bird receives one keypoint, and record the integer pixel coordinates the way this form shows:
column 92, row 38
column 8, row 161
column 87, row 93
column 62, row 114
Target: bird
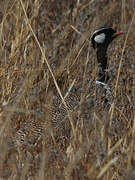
column 100, row 40
column 32, row 131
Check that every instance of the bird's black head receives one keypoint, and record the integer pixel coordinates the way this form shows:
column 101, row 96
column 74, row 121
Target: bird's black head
column 103, row 37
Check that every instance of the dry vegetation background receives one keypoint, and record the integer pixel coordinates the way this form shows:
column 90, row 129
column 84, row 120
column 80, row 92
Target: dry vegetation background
column 43, row 137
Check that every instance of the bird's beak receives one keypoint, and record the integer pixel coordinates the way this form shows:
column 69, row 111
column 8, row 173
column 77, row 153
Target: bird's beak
column 117, row 33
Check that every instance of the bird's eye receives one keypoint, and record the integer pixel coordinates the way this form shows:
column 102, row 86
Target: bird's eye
column 100, row 38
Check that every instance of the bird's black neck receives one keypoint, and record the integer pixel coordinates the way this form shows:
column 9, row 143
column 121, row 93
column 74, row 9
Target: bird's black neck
column 102, row 61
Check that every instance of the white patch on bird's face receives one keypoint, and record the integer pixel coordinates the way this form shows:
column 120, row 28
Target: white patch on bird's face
column 100, row 38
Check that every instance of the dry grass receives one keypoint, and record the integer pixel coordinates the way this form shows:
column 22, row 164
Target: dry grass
column 53, row 123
